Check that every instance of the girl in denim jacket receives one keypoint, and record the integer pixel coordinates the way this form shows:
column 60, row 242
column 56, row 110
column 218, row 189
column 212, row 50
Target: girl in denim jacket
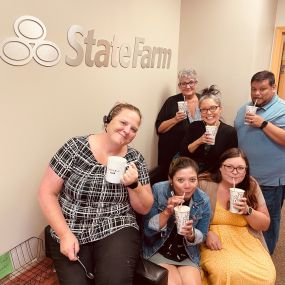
column 179, row 253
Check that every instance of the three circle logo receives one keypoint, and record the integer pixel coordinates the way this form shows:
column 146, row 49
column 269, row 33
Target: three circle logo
column 29, row 43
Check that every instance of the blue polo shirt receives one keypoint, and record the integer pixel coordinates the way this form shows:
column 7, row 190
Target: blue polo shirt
column 266, row 158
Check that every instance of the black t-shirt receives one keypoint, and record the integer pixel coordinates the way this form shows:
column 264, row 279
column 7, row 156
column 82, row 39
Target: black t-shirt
column 169, row 142
column 207, row 155
column 173, row 248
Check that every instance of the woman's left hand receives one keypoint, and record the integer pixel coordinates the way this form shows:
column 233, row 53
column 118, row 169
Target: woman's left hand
column 131, row 175
column 187, row 230
column 242, row 206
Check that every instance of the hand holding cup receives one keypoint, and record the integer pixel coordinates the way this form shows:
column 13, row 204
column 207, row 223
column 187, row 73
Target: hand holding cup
column 206, row 138
column 211, row 132
column 187, row 229
column 180, row 116
column 182, row 106
column 241, row 206
column 131, row 175
column 116, row 167
column 120, row 171
column 250, row 111
column 182, row 213
column 235, row 195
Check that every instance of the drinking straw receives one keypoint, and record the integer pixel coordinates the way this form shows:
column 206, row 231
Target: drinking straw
column 255, row 102
column 234, row 183
column 182, row 202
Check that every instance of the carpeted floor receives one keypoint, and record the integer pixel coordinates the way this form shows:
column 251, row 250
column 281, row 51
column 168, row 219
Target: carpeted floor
column 279, row 253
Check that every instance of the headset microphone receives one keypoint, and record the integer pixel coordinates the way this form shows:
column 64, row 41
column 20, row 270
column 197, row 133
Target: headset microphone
column 106, row 119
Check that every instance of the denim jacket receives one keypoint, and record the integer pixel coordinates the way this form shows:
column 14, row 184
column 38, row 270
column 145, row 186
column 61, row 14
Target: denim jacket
column 200, row 213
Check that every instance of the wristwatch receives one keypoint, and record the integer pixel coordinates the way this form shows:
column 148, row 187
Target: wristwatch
column 249, row 211
column 133, row 185
column 263, row 124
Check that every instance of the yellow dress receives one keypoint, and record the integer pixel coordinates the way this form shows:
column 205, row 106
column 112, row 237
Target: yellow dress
column 242, row 261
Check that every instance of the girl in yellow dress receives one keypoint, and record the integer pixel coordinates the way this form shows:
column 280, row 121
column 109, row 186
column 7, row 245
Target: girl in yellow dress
column 235, row 252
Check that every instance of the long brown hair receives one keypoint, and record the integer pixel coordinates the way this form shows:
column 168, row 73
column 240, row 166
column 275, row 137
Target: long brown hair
column 248, row 184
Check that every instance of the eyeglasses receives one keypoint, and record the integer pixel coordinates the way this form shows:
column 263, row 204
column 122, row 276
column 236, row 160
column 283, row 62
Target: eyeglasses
column 230, row 168
column 212, row 109
column 190, row 83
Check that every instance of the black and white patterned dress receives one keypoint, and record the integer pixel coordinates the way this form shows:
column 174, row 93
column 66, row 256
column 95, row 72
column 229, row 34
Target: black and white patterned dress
column 93, row 208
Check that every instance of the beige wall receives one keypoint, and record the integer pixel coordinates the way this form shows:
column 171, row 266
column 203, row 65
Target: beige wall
column 227, row 41
column 280, row 15
column 41, row 107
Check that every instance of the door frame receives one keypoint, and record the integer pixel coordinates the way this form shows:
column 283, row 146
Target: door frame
column 277, row 53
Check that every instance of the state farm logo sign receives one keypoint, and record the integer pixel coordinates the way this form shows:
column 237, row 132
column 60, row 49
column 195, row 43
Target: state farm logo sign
column 31, row 43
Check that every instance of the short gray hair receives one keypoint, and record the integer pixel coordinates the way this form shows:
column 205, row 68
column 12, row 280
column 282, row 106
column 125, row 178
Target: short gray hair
column 190, row 72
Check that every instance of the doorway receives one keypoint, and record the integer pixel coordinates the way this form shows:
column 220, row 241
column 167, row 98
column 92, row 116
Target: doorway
column 278, row 60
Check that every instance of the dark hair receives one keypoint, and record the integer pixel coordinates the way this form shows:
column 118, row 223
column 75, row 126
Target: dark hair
column 264, row 75
column 211, row 92
column 117, row 109
column 248, row 184
column 182, row 163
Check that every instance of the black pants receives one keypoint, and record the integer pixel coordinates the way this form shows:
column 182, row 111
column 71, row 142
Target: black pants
column 112, row 260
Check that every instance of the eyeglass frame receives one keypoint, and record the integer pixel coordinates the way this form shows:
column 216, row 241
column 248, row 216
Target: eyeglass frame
column 190, row 83
column 227, row 166
column 212, row 109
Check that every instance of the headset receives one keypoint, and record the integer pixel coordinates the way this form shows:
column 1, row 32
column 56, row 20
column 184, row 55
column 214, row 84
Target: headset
column 108, row 118
column 116, row 109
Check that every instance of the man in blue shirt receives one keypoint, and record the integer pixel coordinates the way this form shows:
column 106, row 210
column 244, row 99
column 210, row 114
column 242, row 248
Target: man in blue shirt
column 263, row 141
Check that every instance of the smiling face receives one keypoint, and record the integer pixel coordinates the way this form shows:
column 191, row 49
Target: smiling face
column 185, row 181
column 233, row 170
column 123, row 127
column 187, row 86
column 210, row 111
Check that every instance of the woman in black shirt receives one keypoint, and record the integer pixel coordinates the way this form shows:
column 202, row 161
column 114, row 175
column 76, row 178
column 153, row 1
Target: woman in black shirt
column 197, row 143
column 172, row 123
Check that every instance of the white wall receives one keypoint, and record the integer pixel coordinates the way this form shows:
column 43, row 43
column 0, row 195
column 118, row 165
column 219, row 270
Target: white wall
column 227, row 41
column 41, row 107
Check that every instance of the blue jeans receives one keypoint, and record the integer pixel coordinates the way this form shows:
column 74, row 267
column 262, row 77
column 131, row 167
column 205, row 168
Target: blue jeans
column 274, row 196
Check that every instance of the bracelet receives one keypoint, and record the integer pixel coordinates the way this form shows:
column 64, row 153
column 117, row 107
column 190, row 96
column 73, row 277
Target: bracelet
column 192, row 237
column 133, row 185
column 165, row 214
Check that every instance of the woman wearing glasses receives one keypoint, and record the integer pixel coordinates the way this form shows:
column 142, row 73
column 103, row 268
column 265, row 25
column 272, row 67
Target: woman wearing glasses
column 199, row 144
column 235, row 251
column 172, row 123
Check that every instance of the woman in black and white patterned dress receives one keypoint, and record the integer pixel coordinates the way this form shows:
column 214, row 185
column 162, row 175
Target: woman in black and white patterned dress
column 90, row 217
